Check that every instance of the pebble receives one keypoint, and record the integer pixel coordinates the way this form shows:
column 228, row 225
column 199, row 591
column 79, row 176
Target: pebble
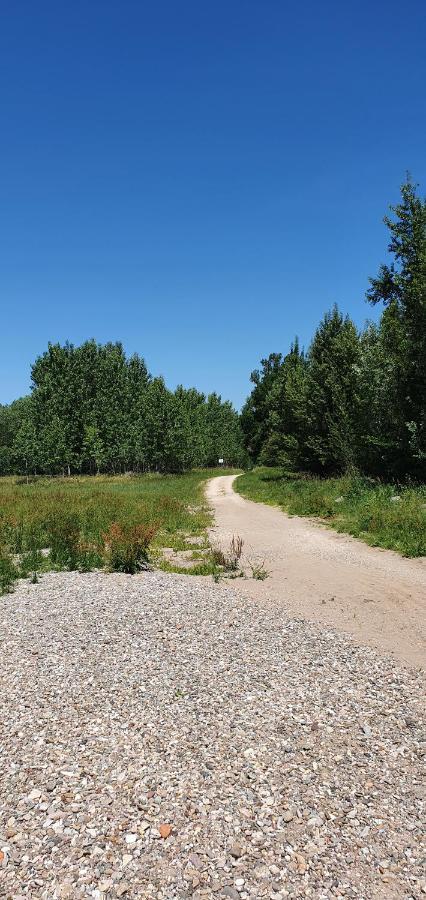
column 133, row 712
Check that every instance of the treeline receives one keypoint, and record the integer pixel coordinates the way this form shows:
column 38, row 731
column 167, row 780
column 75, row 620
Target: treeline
column 354, row 400
column 93, row 410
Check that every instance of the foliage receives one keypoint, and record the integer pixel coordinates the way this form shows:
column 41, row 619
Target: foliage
column 258, row 571
column 127, row 547
column 255, row 412
column 401, row 287
column 84, row 523
column 384, row 515
column 229, row 560
column 8, row 571
column 354, row 401
column 92, row 410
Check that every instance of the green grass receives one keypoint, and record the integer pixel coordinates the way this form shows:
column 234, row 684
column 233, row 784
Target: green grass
column 90, row 522
column 351, row 504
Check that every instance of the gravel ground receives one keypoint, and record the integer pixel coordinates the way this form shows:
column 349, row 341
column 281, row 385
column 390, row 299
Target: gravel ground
column 163, row 737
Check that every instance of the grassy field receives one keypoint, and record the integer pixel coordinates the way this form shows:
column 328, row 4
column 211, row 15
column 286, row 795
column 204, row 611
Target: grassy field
column 383, row 515
column 119, row 523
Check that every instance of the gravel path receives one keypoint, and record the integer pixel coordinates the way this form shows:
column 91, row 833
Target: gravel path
column 165, row 737
column 329, row 578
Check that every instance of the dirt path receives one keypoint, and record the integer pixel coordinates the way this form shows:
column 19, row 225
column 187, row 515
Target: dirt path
column 375, row 595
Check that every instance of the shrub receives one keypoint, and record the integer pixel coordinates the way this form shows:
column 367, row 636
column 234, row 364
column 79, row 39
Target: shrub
column 126, row 547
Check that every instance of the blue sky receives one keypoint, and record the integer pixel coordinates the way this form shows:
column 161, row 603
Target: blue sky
column 200, row 180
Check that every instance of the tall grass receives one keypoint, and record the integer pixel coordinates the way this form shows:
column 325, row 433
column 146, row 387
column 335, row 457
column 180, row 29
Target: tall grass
column 90, row 522
column 383, row 515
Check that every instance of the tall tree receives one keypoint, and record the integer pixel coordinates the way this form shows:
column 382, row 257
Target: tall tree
column 255, row 412
column 401, row 287
column 333, row 362
column 287, row 422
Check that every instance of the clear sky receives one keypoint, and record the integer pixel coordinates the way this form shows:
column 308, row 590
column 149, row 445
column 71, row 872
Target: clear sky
column 199, row 179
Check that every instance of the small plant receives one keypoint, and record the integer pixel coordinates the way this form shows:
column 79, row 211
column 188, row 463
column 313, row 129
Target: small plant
column 219, row 557
column 34, row 579
column 258, row 571
column 229, row 561
column 235, row 552
column 126, row 547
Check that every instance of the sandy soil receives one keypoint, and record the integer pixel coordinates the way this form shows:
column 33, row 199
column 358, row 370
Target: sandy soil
column 374, row 595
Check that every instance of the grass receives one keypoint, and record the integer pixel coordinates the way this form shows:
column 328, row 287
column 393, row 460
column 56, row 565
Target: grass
column 383, row 515
column 84, row 523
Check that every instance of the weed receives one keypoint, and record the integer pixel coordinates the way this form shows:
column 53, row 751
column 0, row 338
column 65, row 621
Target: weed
column 8, row 572
column 127, row 547
column 235, row 552
column 60, row 523
column 229, row 561
column 219, row 557
column 258, row 571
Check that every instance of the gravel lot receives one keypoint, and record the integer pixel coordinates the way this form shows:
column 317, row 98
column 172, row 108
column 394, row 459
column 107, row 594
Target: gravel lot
column 163, row 737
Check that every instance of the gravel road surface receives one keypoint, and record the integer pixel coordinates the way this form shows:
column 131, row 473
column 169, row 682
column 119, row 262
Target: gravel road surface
column 166, row 737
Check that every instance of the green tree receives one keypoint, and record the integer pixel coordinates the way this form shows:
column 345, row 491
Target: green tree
column 12, row 417
column 287, row 418
column 93, row 450
column 255, row 412
column 331, row 392
column 26, row 447
column 401, row 287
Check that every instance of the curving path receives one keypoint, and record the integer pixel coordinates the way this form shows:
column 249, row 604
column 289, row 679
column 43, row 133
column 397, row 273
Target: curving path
column 375, row 595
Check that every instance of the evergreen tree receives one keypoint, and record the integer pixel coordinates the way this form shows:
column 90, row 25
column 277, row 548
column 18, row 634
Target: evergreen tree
column 255, row 412
column 331, row 393
column 401, row 287
column 287, row 419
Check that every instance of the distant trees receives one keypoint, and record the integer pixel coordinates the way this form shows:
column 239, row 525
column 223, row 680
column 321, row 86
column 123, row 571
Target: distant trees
column 355, row 400
column 93, row 410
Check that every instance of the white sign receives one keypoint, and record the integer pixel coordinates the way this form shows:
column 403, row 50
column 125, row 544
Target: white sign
column 221, row 462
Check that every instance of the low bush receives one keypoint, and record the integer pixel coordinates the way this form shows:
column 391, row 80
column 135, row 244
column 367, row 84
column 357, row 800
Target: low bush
column 126, row 547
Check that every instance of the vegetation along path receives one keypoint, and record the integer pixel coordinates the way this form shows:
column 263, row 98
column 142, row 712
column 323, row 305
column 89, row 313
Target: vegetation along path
column 375, row 595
